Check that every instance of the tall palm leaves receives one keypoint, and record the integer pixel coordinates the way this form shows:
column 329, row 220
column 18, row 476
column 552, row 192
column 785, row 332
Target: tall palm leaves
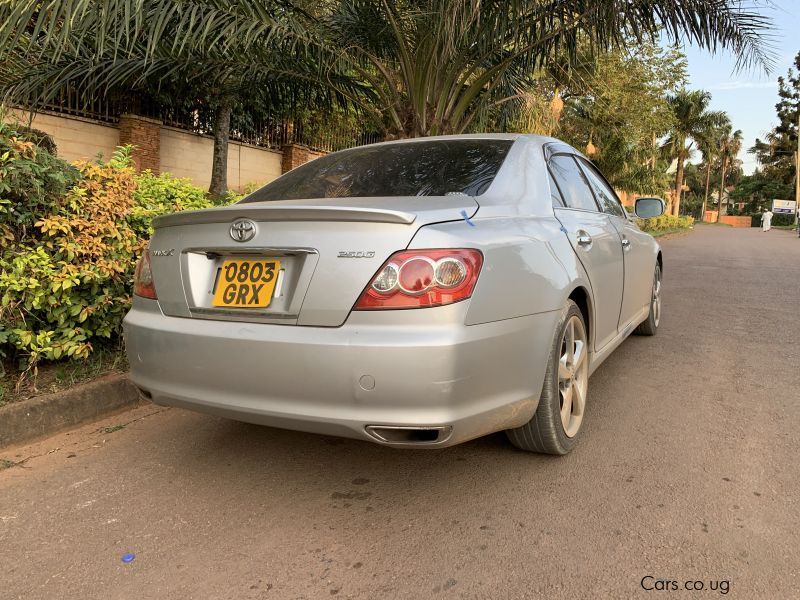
column 730, row 143
column 425, row 66
column 437, row 66
column 694, row 124
column 709, row 147
column 215, row 52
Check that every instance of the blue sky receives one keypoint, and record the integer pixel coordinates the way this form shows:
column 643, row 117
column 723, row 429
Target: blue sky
column 749, row 96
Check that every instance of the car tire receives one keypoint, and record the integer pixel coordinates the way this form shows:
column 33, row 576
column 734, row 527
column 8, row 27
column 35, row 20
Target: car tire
column 553, row 429
column 650, row 325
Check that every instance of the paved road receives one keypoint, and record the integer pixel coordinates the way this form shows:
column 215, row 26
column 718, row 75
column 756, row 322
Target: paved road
column 687, row 470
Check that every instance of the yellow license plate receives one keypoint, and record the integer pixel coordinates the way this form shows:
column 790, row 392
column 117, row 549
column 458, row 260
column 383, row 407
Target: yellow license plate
column 246, row 283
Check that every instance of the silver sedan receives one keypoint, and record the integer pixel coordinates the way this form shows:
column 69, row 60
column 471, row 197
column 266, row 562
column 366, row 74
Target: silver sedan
column 415, row 294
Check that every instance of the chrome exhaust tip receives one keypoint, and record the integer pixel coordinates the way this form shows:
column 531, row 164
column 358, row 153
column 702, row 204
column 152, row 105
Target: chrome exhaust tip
column 413, row 436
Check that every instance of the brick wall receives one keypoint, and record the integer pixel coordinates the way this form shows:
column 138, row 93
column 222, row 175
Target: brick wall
column 145, row 135
column 76, row 138
column 185, row 154
column 295, row 155
column 735, row 221
column 165, row 149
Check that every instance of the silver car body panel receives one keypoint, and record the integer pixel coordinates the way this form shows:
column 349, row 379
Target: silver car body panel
column 415, row 368
column 310, row 363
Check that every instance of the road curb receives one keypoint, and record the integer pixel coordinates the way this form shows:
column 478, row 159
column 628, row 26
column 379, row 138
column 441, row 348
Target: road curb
column 47, row 414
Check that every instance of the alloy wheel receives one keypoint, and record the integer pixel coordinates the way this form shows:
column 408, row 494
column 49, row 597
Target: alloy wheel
column 573, row 375
column 656, row 304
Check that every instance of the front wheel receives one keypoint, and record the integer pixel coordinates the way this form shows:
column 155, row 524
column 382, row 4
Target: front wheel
column 650, row 325
column 558, row 418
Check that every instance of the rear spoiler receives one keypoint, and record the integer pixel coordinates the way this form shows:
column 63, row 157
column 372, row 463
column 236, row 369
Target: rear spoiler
column 284, row 213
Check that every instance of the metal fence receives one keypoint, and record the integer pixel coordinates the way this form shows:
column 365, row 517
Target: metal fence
column 269, row 132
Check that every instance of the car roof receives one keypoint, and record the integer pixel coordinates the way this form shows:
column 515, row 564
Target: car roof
column 471, row 136
column 538, row 140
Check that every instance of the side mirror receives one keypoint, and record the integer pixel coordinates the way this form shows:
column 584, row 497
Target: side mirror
column 647, row 208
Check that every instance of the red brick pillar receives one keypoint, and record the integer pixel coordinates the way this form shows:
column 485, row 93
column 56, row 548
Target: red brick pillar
column 294, row 155
column 145, row 135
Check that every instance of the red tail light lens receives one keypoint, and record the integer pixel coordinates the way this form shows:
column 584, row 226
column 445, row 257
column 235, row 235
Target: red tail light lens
column 422, row 278
column 143, row 280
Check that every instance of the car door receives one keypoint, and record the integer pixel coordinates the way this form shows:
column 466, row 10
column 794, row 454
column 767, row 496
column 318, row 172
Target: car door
column 595, row 240
column 636, row 247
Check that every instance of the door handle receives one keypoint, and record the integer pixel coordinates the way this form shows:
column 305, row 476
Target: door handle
column 626, row 244
column 584, row 239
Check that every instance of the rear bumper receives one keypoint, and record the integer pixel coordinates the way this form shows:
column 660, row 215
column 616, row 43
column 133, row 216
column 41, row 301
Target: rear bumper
column 413, row 368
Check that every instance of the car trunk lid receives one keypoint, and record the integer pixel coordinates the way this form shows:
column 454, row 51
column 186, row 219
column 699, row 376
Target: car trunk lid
column 327, row 252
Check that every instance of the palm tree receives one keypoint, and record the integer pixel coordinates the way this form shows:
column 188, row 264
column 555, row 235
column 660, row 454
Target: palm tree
column 440, row 66
column 430, row 66
column 191, row 50
column 729, row 146
column 709, row 147
column 693, row 125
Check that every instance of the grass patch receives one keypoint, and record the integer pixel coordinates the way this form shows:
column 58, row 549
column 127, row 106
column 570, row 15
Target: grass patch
column 113, row 429
column 50, row 377
column 6, row 464
column 657, row 234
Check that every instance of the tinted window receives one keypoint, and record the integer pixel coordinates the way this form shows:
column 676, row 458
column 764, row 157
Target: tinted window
column 555, row 195
column 604, row 194
column 433, row 168
column 572, row 183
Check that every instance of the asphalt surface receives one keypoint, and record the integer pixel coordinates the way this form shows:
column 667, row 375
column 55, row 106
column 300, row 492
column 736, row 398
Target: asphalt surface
column 687, row 471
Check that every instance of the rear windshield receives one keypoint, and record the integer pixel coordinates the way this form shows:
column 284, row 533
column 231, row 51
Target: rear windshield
column 431, row 168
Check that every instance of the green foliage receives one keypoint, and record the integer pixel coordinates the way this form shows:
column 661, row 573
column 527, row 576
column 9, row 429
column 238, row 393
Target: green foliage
column 616, row 107
column 33, row 183
column 776, row 152
column 66, row 281
column 71, row 238
column 161, row 194
column 665, row 223
column 778, row 220
column 758, row 191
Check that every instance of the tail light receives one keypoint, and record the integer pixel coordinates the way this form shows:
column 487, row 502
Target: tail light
column 143, row 279
column 422, row 278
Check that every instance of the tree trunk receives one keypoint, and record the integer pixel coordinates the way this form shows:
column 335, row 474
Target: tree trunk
column 219, row 161
column 676, row 207
column 722, row 186
column 708, row 186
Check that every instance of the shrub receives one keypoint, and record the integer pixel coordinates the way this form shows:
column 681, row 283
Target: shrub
column 665, row 223
column 66, row 280
column 161, row 194
column 778, row 220
column 33, row 183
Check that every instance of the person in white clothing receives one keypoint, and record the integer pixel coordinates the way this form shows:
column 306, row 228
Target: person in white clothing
column 766, row 220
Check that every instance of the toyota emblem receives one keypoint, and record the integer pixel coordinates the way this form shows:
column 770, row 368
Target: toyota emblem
column 243, row 230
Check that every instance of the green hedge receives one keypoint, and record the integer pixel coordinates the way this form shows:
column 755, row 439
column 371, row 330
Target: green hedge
column 665, row 223
column 71, row 236
column 777, row 220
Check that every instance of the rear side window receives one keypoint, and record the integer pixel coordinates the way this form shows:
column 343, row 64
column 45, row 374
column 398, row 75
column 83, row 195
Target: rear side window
column 430, row 168
column 555, row 195
column 572, row 183
column 604, row 194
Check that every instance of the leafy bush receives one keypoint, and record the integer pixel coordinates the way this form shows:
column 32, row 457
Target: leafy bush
column 778, row 220
column 161, row 194
column 70, row 236
column 33, row 183
column 665, row 223
column 66, row 280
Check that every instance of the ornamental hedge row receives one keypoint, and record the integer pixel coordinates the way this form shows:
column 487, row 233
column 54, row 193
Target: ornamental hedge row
column 70, row 237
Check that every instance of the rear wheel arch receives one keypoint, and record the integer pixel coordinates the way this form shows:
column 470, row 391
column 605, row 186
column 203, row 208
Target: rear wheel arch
column 580, row 296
